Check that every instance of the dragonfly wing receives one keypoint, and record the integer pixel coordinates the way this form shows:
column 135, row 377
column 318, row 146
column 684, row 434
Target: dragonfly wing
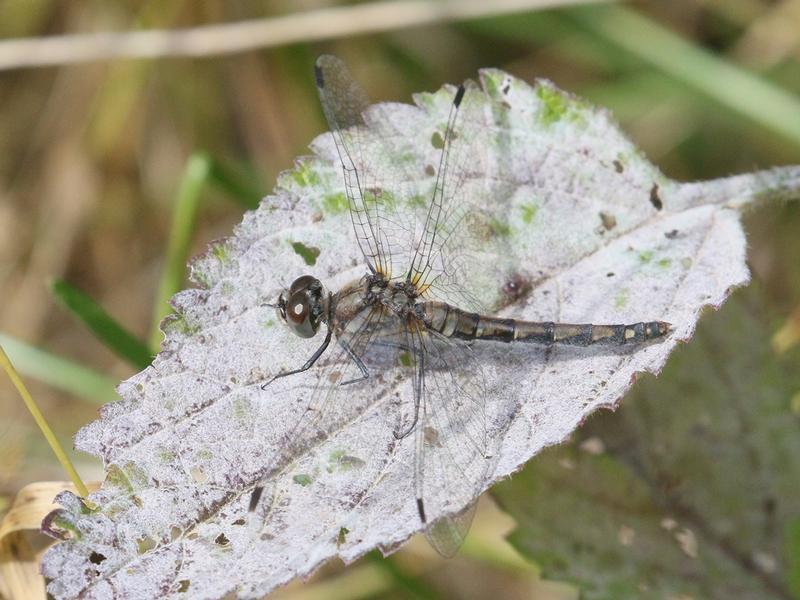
column 373, row 183
column 441, row 255
column 334, row 393
column 454, row 440
column 448, row 533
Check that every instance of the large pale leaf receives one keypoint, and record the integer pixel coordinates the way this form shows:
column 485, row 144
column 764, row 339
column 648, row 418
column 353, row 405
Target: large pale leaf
column 567, row 222
column 690, row 490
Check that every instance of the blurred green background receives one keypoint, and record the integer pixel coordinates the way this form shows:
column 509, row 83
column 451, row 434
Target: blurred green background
column 112, row 173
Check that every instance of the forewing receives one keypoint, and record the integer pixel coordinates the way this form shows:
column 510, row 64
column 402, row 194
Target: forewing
column 440, row 256
column 373, row 183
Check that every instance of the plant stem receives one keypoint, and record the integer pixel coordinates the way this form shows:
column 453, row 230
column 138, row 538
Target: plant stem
column 42, row 423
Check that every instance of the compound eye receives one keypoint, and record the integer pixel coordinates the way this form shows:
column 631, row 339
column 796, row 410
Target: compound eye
column 298, row 315
column 297, row 308
column 301, row 284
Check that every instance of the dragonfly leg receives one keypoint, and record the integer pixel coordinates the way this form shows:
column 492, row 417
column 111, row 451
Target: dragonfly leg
column 399, row 435
column 359, row 364
column 308, row 364
column 418, row 388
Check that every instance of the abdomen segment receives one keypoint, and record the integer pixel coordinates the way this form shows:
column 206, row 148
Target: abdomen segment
column 454, row 322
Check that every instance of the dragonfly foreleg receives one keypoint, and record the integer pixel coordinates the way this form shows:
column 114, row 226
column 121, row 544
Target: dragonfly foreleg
column 308, row 364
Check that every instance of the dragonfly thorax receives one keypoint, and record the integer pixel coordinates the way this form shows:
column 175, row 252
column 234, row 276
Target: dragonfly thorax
column 400, row 298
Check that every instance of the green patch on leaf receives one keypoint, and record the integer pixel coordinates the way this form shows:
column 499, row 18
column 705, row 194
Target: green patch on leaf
column 645, row 256
column 242, row 411
column 664, row 263
column 339, row 460
column 116, row 478
column 554, row 104
column 167, row 456
column 417, row 201
column 137, row 476
column 335, row 203
column 65, row 526
column 308, row 253
column 341, row 538
column 221, row 252
column 380, row 197
column 621, row 299
column 500, row 228
column 302, row 479
column 437, row 141
column 529, row 212
column 304, row 175
column 179, row 324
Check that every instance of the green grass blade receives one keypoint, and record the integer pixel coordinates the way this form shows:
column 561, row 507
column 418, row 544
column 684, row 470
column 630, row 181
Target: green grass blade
column 195, row 178
column 102, row 325
column 411, row 586
column 734, row 87
column 59, row 372
column 235, row 182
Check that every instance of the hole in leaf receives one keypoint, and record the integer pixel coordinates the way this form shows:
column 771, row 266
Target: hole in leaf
column 308, row 253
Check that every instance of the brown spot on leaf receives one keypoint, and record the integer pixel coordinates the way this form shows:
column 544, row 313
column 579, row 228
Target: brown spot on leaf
column 671, row 235
column 618, row 166
column 655, row 199
column 609, row 220
column 515, row 287
column 430, row 171
column 432, row 437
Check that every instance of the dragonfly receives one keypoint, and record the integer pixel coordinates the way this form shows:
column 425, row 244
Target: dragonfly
column 394, row 318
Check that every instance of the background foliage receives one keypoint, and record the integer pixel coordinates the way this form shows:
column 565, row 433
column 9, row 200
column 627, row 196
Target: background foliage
column 112, row 173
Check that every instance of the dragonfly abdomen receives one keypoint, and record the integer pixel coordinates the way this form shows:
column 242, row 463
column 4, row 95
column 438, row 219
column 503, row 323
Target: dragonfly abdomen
column 456, row 323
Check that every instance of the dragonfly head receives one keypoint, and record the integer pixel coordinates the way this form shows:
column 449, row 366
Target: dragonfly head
column 302, row 306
